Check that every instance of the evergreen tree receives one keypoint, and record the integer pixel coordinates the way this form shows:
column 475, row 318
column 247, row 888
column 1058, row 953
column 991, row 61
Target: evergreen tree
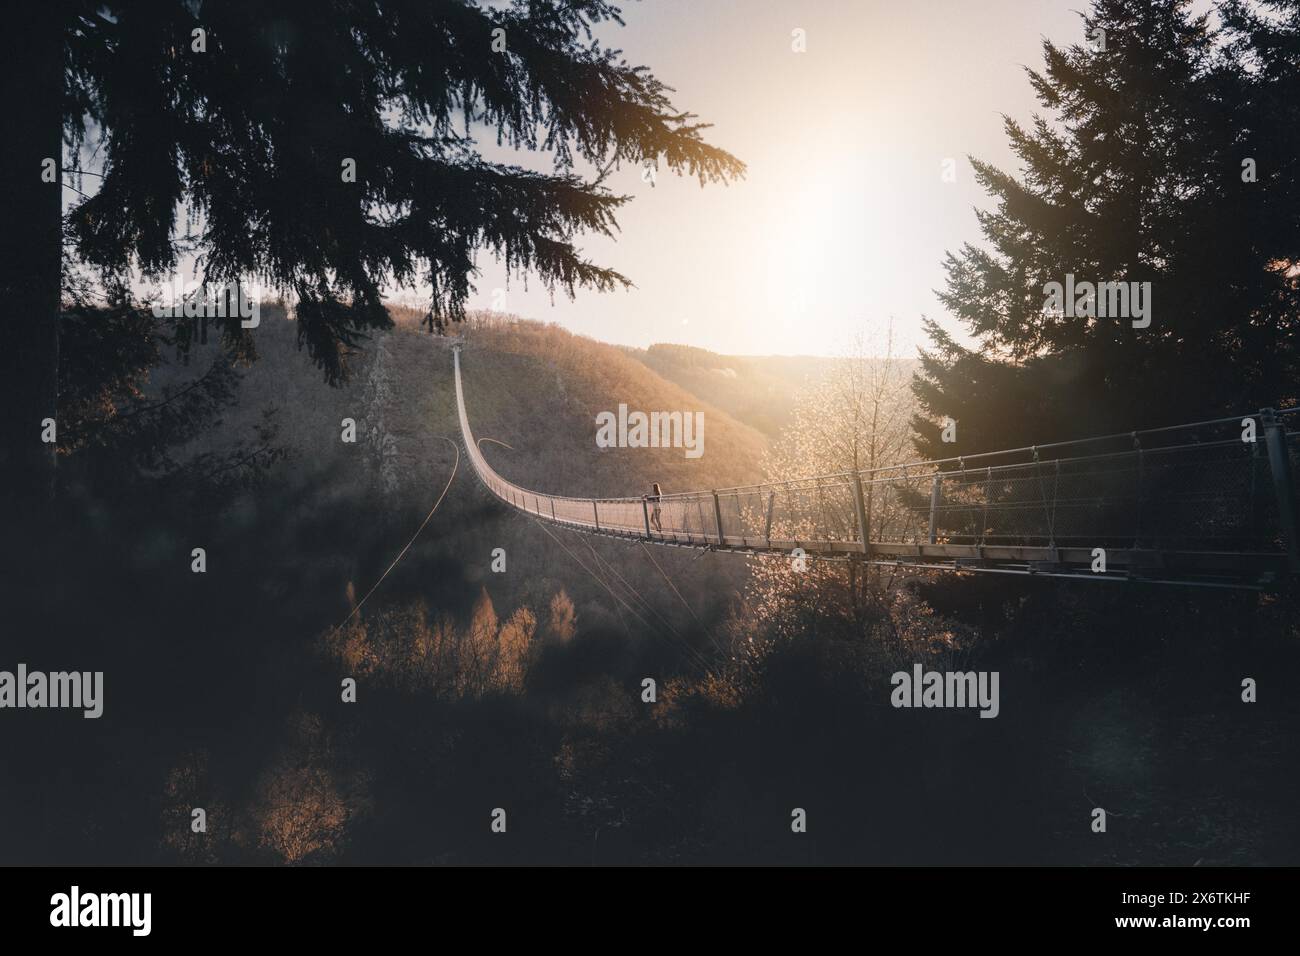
column 325, row 147
column 1136, row 173
column 1266, row 41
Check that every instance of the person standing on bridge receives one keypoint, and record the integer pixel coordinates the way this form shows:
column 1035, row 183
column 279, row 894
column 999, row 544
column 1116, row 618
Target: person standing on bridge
column 654, row 508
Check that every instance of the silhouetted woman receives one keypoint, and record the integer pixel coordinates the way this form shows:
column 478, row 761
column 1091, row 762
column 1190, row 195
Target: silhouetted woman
column 654, row 509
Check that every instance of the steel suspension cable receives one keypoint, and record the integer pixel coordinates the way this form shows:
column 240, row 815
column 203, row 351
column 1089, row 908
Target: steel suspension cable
column 685, row 604
column 702, row 663
column 681, row 640
column 401, row 554
column 610, row 569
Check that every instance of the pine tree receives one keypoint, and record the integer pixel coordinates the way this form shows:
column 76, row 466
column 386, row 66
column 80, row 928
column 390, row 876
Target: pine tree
column 1266, row 39
column 324, row 147
column 1135, row 173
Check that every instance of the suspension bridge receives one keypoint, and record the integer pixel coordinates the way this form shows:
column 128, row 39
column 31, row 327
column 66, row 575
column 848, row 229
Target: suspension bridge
column 1211, row 503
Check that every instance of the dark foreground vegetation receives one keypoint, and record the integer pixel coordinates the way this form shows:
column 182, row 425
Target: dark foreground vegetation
column 523, row 690
column 1164, row 156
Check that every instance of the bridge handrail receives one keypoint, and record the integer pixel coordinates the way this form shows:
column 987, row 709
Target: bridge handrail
column 884, row 473
column 1201, row 491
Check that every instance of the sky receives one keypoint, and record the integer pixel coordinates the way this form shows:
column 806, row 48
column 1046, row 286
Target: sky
column 843, row 218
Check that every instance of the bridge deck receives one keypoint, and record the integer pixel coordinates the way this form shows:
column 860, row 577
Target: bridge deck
column 1190, row 504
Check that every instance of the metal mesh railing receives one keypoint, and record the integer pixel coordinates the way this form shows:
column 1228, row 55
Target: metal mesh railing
column 1186, row 488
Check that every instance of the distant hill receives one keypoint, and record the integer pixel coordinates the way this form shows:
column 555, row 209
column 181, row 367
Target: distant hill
column 540, row 388
column 535, row 387
column 759, row 391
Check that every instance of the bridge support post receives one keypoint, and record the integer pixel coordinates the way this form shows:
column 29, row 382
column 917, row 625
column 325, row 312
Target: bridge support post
column 1137, row 495
column 1256, row 516
column 595, row 513
column 645, row 513
column 767, row 525
column 717, row 517
column 936, row 490
column 1279, row 460
column 863, row 530
column 988, row 495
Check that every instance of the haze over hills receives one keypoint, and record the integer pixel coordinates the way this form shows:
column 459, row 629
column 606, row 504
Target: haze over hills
column 761, row 391
column 757, row 391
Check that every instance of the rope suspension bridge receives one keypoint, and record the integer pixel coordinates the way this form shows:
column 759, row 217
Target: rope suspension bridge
column 1211, row 503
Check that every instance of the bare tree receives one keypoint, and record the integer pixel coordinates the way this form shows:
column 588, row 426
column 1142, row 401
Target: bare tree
column 857, row 420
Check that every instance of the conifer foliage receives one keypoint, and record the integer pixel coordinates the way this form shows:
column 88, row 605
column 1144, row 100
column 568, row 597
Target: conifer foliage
column 325, row 147
column 1165, row 154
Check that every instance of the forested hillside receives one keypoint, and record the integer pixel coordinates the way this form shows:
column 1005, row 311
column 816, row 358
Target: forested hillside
column 535, row 387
